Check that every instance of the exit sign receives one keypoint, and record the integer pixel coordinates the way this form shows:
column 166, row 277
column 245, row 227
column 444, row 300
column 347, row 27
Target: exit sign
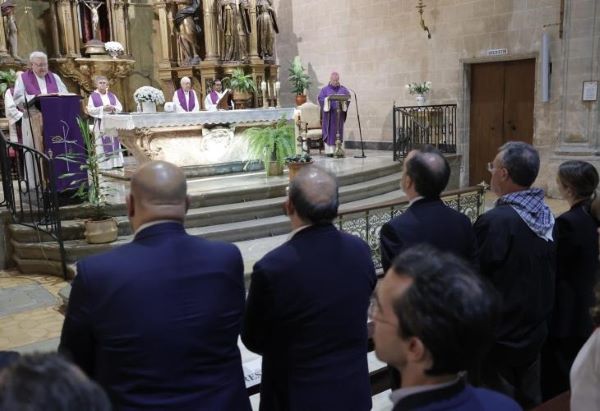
column 497, row 52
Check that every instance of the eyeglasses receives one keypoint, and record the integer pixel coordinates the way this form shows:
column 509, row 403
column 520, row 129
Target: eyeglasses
column 40, row 64
column 373, row 314
column 490, row 167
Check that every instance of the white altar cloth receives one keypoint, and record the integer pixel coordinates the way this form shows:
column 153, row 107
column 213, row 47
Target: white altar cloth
column 130, row 121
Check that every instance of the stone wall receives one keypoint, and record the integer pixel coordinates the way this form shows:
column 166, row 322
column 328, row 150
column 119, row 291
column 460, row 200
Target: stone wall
column 378, row 47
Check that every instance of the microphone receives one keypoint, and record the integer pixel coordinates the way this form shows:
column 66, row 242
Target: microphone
column 362, row 144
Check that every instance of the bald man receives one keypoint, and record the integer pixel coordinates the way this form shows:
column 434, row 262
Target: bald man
column 185, row 98
column 306, row 312
column 156, row 321
column 425, row 174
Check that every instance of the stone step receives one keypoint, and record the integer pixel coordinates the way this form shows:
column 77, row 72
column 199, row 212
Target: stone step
column 220, row 214
column 254, row 238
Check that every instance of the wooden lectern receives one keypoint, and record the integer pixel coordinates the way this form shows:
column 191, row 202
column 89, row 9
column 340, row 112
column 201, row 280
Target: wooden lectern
column 340, row 99
column 60, row 135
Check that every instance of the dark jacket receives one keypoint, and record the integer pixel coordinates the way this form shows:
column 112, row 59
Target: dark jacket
column 577, row 265
column 156, row 322
column 459, row 396
column 521, row 266
column 432, row 222
column 307, row 315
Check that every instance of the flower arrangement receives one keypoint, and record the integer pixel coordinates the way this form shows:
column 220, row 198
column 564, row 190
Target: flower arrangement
column 114, row 48
column 147, row 93
column 419, row 88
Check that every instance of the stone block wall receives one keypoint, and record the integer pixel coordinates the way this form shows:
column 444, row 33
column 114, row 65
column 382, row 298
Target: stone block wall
column 378, row 47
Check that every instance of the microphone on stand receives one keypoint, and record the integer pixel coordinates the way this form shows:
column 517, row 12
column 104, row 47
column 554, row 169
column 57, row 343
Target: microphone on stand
column 362, row 143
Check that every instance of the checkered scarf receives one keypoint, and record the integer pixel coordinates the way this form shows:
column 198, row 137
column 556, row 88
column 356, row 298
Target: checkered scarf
column 530, row 206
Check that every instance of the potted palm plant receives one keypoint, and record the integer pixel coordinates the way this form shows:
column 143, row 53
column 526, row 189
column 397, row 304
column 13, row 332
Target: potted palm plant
column 272, row 145
column 299, row 80
column 99, row 228
column 243, row 87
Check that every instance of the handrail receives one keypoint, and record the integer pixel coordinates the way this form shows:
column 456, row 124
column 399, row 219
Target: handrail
column 31, row 198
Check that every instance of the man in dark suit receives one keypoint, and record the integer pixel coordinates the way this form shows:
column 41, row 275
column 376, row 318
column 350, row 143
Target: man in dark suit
column 306, row 312
column 156, row 321
column 433, row 319
column 517, row 254
column 427, row 220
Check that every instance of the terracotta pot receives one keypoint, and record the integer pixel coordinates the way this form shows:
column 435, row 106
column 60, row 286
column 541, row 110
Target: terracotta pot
column 274, row 169
column 300, row 99
column 102, row 231
column 294, row 168
column 242, row 100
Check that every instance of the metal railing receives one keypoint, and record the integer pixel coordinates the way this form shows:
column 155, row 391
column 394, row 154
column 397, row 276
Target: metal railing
column 366, row 222
column 30, row 193
column 420, row 125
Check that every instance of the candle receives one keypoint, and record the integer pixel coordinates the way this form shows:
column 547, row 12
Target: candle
column 263, row 86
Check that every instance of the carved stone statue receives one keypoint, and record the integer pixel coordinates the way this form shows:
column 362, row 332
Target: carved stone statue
column 227, row 23
column 187, row 25
column 267, row 27
column 10, row 27
column 243, row 29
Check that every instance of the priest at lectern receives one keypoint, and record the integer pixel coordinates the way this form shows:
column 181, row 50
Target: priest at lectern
column 333, row 119
column 217, row 98
column 38, row 80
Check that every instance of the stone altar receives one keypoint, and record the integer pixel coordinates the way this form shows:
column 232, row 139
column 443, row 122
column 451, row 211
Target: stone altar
column 191, row 139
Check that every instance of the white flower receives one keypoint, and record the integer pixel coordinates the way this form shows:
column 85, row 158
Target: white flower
column 407, row 86
column 147, row 93
column 114, row 46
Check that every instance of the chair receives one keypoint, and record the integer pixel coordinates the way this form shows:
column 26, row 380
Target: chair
column 310, row 133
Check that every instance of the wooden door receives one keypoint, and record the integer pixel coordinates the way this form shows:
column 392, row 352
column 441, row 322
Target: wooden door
column 502, row 97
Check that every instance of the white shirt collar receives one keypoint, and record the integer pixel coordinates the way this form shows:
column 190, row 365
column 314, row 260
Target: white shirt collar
column 414, row 200
column 153, row 223
column 296, row 231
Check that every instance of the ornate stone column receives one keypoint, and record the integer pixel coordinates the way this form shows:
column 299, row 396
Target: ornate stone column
column 210, row 31
column 75, row 27
column 120, row 23
column 54, row 28
column 163, row 32
column 65, row 19
column 3, row 49
column 254, row 57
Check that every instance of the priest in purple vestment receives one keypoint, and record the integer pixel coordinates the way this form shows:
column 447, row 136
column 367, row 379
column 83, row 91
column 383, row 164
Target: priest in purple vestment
column 328, row 112
column 102, row 102
column 185, row 98
column 38, row 80
column 211, row 102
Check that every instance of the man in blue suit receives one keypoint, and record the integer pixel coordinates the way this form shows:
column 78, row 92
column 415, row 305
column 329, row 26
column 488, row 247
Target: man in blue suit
column 427, row 220
column 306, row 312
column 434, row 319
column 156, row 321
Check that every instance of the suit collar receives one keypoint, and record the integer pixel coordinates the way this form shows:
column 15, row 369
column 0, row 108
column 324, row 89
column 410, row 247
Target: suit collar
column 424, row 397
column 160, row 228
column 312, row 228
column 423, row 200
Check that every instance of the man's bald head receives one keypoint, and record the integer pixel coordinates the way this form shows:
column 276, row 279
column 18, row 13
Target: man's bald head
column 429, row 170
column 158, row 192
column 314, row 195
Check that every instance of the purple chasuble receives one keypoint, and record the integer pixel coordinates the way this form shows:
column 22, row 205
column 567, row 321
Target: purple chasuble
column 214, row 97
column 184, row 104
column 33, row 88
column 330, row 120
column 97, row 99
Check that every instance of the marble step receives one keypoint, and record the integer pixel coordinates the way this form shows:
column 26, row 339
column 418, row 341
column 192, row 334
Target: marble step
column 220, row 214
column 242, row 188
column 254, row 238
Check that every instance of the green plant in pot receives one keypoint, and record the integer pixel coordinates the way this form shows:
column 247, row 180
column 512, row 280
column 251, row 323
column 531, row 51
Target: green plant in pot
column 299, row 80
column 243, row 86
column 296, row 163
column 272, row 145
column 7, row 79
column 99, row 228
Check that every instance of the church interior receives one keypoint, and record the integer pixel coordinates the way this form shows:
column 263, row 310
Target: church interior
column 240, row 95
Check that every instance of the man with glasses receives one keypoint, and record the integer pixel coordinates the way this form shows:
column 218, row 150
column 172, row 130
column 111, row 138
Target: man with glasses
column 517, row 255
column 433, row 320
column 306, row 312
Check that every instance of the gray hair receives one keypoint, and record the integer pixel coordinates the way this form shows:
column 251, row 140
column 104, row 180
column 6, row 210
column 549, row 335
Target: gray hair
column 185, row 79
column 522, row 162
column 100, row 77
column 37, row 55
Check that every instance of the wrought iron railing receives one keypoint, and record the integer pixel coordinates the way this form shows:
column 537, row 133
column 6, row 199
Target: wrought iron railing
column 366, row 222
column 420, row 125
column 29, row 192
